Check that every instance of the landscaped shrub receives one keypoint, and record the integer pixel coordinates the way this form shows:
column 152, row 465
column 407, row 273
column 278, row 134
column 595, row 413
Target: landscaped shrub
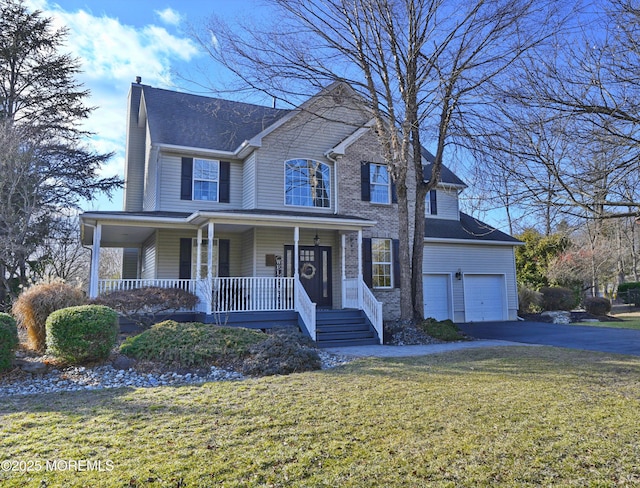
column 8, row 340
column 597, row 305
column 529, row 301
column 191, row 344
column 444, row 330
column 35, row 304
column 557, row 298
column 285, row 351
column 143, row 305
column 84, row 333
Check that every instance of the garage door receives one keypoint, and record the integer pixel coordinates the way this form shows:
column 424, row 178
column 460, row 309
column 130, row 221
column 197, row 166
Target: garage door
column 484, row 298
column 437, row 296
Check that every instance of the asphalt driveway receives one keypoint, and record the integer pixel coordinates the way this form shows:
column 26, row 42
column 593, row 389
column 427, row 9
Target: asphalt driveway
column 603, row 339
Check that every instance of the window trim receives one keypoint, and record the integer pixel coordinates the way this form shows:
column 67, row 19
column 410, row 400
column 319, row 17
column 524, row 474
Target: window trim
column 383, row 263
column 372, row 185
column 327, row 184
column 194, row 179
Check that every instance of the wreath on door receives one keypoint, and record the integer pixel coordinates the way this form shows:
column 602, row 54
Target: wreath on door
column 308, row 271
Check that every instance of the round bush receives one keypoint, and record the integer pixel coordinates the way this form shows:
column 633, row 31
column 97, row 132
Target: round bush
column 34, row 305
column 597, row 305
column 84, row 333
column 8, row 340
column 557, row 298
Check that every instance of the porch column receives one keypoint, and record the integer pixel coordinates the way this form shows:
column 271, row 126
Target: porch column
column 210, row 264
column 343, row 251
column 360, row 254
column 360, row 277
column 95, row 261
column 296, row 253
column 199, row 255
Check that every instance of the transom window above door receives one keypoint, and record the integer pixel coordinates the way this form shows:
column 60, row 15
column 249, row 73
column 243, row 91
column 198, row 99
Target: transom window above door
column 307, row 183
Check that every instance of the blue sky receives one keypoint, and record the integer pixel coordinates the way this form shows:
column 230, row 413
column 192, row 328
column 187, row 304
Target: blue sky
column 116, row 41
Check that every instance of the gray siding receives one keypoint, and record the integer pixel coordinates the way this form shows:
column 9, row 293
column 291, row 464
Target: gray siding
column 130, row 263
column 447, row 204
column 151, row 178
column 134, row 154
column 148, row 269
column 472, row 259
column 249, row 170
column 169, row 191
column 248, row 257
column 303, row 137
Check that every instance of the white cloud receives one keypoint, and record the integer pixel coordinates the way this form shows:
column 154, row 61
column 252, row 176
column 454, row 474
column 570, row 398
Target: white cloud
column 112, row 54
column 169, row 16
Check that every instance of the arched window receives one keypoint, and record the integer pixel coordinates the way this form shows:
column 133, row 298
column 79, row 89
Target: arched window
column 307, row 183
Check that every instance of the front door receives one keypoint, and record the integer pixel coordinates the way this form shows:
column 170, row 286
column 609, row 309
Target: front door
column 314, row 270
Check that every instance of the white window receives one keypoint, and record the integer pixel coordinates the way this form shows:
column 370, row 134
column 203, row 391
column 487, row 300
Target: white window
column 203, row 258
column 381, row 259
column 307, row 183
column 206, row 175
column 379, row 183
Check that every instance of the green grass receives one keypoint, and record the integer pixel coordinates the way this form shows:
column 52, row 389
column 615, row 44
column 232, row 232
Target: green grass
column 517, row 416
column 627, row 323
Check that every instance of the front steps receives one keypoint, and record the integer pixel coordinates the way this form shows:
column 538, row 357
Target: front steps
column 338, row 328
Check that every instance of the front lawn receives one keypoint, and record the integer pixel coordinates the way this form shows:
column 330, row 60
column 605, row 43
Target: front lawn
column 626, row 323
column 516, row 416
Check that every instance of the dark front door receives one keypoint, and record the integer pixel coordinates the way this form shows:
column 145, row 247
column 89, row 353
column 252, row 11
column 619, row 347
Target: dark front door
column 314, row 268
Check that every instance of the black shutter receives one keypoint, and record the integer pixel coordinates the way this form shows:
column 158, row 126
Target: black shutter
column 186, row 179
column 394, row 193
column 224, row 181
column 223, row 258
column 433, row 201
column 367, row 262
column 395, row 256
column 365, row 190
column 184, row 272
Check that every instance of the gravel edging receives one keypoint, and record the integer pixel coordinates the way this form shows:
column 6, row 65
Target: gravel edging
column 81, row 378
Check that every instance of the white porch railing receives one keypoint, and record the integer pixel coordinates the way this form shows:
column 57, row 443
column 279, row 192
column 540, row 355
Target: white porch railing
column 356, row 294
column 252, row 294
column 224, row 294
column 306, row 308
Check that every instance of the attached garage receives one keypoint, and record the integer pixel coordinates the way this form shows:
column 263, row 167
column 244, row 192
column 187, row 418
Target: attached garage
column 437, row 296
column 485, row 297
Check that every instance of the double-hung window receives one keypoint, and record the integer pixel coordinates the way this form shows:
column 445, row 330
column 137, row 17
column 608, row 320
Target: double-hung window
column 206, row 173
column 381, row 261
column 379, row 183
column 307, row 183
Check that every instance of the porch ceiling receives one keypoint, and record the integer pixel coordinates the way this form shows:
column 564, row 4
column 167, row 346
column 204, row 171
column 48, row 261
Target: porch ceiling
column 131, row 229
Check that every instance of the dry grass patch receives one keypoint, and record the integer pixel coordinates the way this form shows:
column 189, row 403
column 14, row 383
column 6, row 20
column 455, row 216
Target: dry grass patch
column 484, row 417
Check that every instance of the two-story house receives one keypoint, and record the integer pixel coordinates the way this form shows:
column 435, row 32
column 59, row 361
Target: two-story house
column 287, row 215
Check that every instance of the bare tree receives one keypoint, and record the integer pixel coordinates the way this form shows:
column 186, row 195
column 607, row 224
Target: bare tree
column 44, row 164
column 419, row 64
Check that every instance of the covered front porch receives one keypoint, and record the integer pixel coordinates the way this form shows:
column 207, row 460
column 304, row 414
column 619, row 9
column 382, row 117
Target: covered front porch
column 240, row 263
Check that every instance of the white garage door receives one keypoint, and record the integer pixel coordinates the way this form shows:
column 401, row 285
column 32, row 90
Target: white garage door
column 484, row 298
column 437, row 296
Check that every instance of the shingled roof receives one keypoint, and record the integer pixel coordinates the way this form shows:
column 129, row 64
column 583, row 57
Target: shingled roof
column 183, row 119
column 467, row 228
